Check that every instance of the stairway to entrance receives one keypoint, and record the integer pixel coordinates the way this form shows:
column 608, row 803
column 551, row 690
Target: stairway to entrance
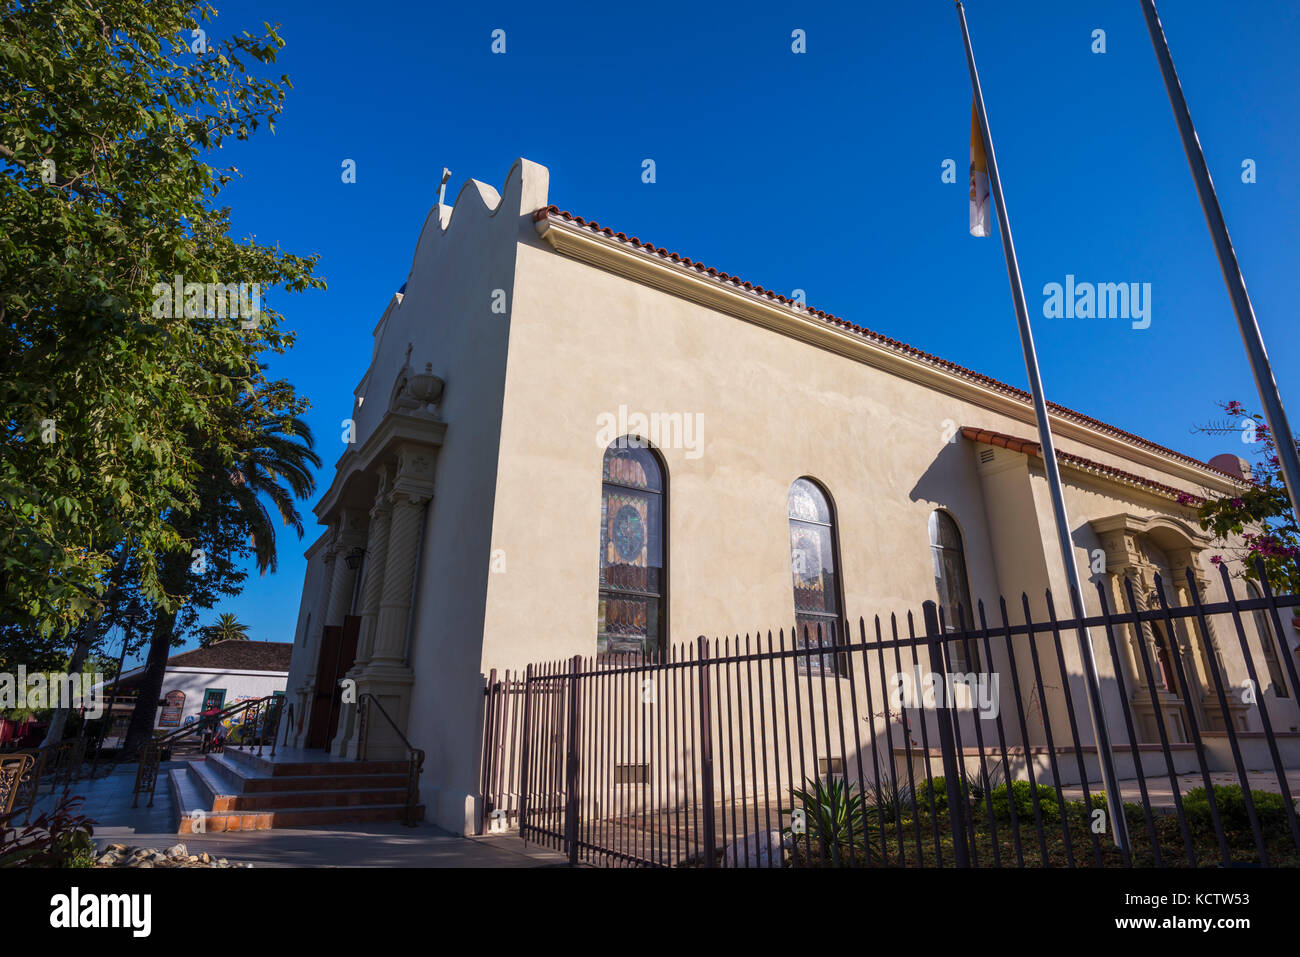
column 237, row 790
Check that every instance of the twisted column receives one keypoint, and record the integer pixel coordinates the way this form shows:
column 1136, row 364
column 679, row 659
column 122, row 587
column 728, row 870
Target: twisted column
column 399, row 575
column 387, row 675
column 372, row 584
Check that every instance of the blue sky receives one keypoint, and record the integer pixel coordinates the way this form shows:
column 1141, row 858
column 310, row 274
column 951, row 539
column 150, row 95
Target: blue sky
column 818, row 171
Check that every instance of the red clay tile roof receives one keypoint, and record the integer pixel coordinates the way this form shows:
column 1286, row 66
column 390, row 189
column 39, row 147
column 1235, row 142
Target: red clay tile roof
column 1029, row 447
column 554, row 212
column 236, row 655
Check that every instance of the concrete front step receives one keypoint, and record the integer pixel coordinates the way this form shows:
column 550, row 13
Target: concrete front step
column 265, row 766
column 220, row 797
column 239, row 777
column 294, row 817
column 190, row 793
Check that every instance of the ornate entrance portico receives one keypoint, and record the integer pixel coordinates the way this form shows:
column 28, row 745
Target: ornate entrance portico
column 376, row 510
column 1140, row 548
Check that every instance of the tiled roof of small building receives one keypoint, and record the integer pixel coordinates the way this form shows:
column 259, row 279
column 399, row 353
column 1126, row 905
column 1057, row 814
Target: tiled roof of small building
column 237, row 655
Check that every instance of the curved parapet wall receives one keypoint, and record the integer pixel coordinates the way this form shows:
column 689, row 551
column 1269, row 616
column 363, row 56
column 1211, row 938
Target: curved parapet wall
column 464, row 251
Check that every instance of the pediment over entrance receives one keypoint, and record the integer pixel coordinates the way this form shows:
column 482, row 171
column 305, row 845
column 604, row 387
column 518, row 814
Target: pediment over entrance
column 1123, row 536
column 406, row 443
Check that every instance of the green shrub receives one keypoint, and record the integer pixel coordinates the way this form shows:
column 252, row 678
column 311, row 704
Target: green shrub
column 1000, row 797
column 1022, row 793
column 936, row 788
column 1231, row 802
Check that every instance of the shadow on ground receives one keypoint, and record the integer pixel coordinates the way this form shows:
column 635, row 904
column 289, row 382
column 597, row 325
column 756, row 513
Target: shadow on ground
column 107, row 801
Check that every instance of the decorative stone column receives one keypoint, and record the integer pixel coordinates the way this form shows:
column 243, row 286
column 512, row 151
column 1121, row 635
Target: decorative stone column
column 387, row 675
column 1180, row 560
column 1123, row 562
column 1125, row 559
column 376, row 558
column 352, row 536
column 372, row 585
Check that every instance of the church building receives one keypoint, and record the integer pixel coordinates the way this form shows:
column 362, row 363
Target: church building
column 571, row 441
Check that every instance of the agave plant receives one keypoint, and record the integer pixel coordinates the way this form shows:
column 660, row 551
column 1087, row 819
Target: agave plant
column 833, row 814
column 983, row 781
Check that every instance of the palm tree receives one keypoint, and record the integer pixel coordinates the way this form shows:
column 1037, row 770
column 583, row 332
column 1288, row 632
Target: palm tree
column 272, row 463
column 275, row 449
column 226, row 628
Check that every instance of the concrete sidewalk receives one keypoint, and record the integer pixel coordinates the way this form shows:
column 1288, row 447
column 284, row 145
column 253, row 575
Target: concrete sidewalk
column 347, row 845
column 107, row 801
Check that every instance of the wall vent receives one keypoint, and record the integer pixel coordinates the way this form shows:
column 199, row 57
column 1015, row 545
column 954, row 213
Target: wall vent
column 830, row 766
column 631, row 773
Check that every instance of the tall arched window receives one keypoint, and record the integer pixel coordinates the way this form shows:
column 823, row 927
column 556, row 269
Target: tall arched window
column 1268, row 642
column 631, row 550
column 953, row 587
column 814, row 563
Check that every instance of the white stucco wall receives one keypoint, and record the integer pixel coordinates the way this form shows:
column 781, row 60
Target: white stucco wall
column 239, row 685
column 585, row 341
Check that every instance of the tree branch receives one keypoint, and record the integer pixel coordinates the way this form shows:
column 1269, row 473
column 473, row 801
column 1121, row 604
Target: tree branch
column 89, row 192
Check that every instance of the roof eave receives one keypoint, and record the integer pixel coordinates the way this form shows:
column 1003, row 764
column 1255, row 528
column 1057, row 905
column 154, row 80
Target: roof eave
column 636, row 262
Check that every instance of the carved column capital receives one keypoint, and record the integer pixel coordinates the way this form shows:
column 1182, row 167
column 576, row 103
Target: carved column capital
column 1183, row 560
column 1123, row 553
column 413, row 479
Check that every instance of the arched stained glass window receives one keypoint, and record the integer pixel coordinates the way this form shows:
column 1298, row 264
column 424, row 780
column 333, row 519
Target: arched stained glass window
column 630, row 618
column 814, row 565
column 954, row 589
column 1268, row 643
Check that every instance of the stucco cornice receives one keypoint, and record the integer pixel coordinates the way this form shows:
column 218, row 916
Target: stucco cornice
column 620, row 258
column 1170, row 528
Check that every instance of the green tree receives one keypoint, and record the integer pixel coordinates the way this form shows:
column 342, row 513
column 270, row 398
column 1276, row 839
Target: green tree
column 227, row 627
column 1257, row 523
column 116, row 402
column 232, row 525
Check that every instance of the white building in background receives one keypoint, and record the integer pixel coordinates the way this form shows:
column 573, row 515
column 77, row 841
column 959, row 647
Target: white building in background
column 219, row 675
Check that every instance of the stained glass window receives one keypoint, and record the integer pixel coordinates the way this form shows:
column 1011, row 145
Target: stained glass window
column 954, row 590
column 813, row 566
column 630, row 616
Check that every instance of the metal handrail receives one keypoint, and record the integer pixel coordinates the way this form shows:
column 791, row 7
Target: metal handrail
column 287, row 724
column 243, row 706
column 146, row 775
column 415, row 760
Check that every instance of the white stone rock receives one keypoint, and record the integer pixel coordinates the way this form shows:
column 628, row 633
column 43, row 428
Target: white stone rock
column 764, row 849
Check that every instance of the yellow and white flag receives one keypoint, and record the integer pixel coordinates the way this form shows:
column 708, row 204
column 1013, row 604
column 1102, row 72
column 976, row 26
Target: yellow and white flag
column 979, row 179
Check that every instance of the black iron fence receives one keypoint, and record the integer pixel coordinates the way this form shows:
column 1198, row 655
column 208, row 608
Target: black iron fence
column 956, row 744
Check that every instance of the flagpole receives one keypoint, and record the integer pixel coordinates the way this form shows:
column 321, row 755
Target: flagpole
column 1260, row 367
column 1107, row 761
